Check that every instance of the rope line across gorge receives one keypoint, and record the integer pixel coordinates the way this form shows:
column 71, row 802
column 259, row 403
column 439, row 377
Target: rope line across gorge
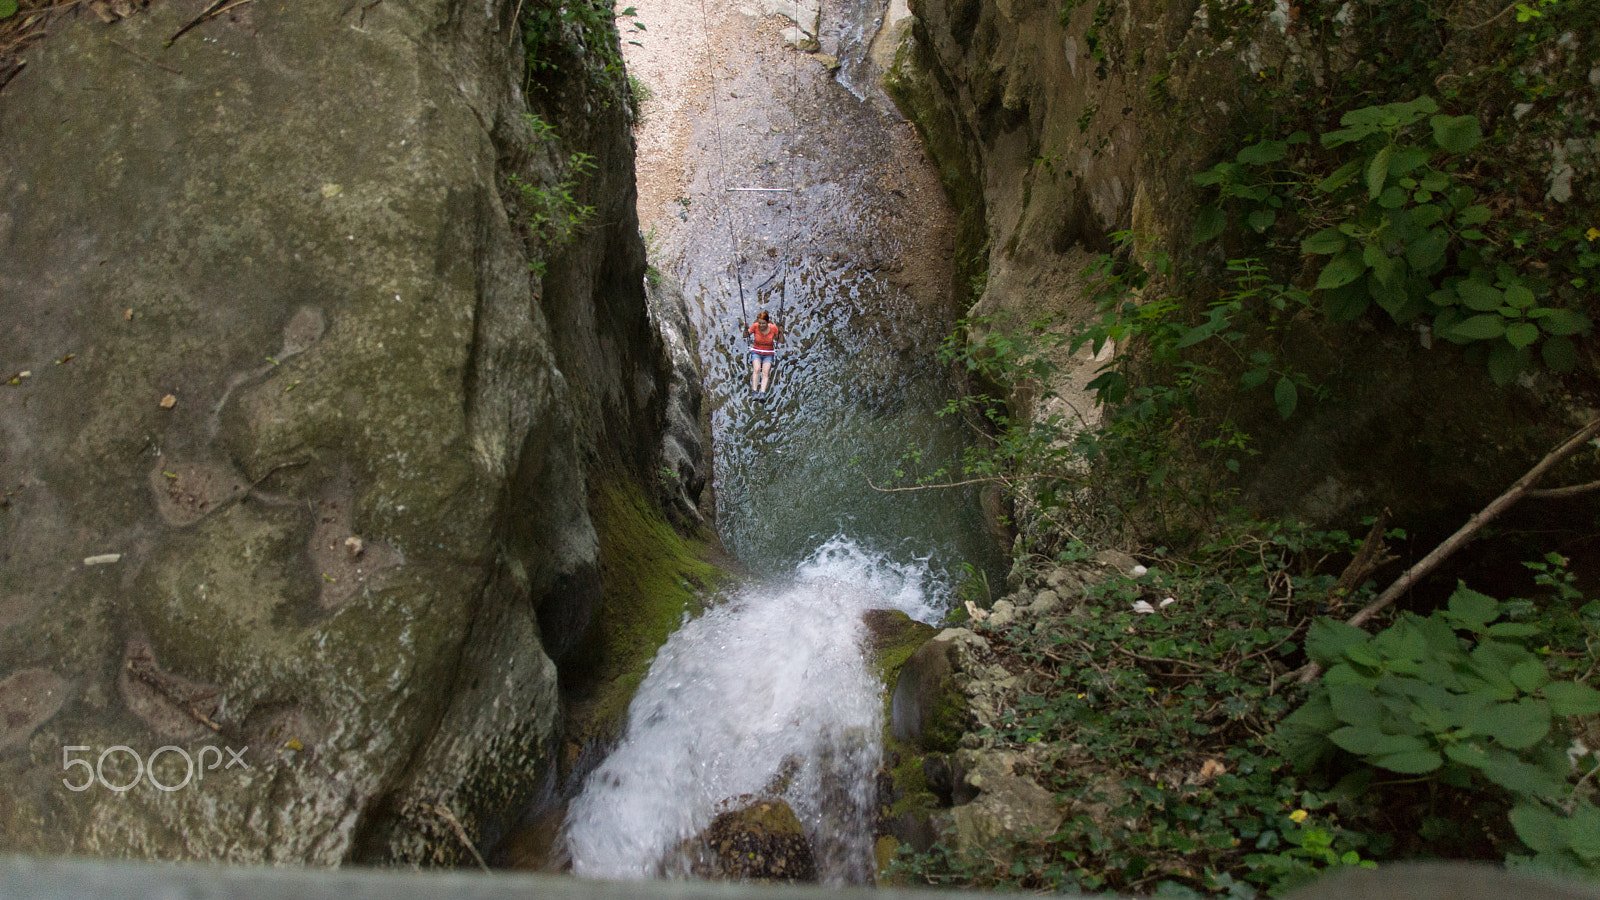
column 736, row 245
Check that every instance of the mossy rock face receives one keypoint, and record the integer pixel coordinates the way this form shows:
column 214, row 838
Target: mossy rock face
column 650, row 578
column 928, row 708
column 1055, row 126
column 329, row 542
column 892, row 636
column 760, row 840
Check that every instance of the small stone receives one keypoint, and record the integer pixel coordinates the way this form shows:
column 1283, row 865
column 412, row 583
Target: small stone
column 169, row 401
column 1115, row 559
column 1003, row 614
column 353, row 546
column 1044, row 602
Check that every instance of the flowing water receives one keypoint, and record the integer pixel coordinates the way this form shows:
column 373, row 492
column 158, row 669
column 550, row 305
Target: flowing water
column 769, row 685
column 769, row 692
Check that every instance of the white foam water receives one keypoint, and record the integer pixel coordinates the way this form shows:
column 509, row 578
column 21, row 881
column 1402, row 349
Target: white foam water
column 770, row 687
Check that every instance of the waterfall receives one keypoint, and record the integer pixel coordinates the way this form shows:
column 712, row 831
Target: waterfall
column 769, row 690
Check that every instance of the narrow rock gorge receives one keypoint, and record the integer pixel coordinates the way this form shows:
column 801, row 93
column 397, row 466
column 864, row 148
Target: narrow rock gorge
column 323, row 325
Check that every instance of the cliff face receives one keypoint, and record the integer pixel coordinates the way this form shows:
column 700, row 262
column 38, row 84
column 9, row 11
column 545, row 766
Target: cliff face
column 300, row 463
column 1057, row 124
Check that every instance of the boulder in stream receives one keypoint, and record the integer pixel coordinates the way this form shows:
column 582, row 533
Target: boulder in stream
column 758, row 840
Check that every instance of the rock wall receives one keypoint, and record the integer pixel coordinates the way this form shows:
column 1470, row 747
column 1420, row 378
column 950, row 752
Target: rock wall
column 302, row 415
column 1056, row 124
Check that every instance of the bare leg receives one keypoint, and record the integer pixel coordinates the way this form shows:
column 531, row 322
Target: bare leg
column 755, row 370
column 766, row 373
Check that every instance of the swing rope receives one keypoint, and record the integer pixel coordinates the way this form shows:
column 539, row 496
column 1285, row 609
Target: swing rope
column 734, row 248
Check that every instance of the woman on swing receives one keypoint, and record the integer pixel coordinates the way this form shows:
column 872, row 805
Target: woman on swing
column 764, row 338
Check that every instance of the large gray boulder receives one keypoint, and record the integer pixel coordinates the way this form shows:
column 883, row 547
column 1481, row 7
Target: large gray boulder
column 301, row 466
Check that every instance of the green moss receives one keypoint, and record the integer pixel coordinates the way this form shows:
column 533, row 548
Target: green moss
column 650, row 577
column 949, row 719
column 910, row 784
column 895, row 638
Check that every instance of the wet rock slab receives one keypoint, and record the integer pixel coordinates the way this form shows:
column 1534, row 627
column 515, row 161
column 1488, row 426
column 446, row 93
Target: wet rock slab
column 759, row 840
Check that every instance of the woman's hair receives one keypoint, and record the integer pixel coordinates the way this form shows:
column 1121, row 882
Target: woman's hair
column 762, row 316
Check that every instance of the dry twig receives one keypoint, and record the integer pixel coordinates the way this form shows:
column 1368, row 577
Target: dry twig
column 211, row 12
column 443, row 812
column 160, row 65
column 1466, row 532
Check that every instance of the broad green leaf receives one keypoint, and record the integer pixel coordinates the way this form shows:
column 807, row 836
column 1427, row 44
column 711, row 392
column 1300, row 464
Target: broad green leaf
column 8, row 8
column 1349, row 676
column 1427, row 215
column 1341, row 270
column 1209, row 223
column 1427, row 253
column 1362, row 654
column 1559, row 353
column 1518, row 296
column 1468, row 755
column 1344, row 136
column 1411, row 762
column 1506, row 363
column 1346, row 304
column 1480, row 328
column 1364, row 740
column 1254, row 378
column 1521, row 334
column 1402, row 641
column 1262, row 219
column 1457, row 134
column 1511, row 630
column 1530, row 675
column 1326, row 241
column 1341, row 176
column 1111, row 386
column 1479, row 295
column 1405, row 160
column 1538, row 827
column 1516, row 726
column 1199, row 333
column 1470, row 609
column 1563, row 321
column 1388, row 269
column 1473, row 215
column 1392, row 198
column 1582, row 832
column 1378, row 172
column 1263, row 153
column 1285, row 396
column 1517, row 776
column 1354, row 704
column 1391, row 295
column 1569, row 698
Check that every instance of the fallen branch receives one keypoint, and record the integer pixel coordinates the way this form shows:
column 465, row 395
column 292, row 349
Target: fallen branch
column 928, row 487
column 211, row 12
column 143, row 668
column 1571, row 490
column 1465, row 534
column 443, row 812
column 160, row 65
column 1367, row 559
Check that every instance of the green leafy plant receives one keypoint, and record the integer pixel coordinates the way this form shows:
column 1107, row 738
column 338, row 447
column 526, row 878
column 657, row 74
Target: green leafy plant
column 574, row 35
column 1403, row 230
column 1458, row 698
column 1155, row 726
column 554, row 211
